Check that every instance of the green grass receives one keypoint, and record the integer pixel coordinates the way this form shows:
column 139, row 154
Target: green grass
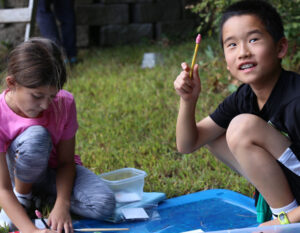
column 127, row 116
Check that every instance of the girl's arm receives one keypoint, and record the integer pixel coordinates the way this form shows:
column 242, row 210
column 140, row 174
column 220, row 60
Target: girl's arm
column 59, row 217
column 10, row 203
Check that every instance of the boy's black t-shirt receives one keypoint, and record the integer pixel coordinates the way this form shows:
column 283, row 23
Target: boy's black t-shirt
column 282, row 109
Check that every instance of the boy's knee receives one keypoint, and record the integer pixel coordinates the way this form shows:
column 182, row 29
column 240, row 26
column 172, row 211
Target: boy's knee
column 240, row 130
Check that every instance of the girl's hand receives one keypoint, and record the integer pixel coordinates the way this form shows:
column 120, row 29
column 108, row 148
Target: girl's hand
column 44, row 231
column 60, row 219
column 187, row 88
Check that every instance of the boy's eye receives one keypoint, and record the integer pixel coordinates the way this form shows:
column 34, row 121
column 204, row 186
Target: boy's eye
column 231, row 45
column 253, row 40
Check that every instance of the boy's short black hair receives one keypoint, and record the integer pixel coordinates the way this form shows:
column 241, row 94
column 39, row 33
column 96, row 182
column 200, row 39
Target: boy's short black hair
column 261, row 9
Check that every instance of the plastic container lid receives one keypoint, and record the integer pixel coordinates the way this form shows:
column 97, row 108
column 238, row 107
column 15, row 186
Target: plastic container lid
column 123, row 175
column 126, row 183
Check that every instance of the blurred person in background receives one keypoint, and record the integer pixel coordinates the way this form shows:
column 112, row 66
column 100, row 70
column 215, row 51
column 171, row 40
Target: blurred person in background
column 48, row 12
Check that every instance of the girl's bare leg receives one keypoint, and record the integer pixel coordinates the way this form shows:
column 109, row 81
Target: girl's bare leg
column 22, row 187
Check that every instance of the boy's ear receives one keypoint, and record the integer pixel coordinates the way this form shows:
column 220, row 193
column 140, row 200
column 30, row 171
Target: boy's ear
column 11, row 82
column 282, row 47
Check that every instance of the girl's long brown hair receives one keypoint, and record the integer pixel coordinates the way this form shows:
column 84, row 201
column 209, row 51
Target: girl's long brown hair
column 37, row 62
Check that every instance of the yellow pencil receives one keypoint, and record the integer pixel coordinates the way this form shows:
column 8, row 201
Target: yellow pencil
column 101, row 229
column 198, row 39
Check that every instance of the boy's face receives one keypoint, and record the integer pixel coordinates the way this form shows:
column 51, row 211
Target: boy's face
column 251, row 54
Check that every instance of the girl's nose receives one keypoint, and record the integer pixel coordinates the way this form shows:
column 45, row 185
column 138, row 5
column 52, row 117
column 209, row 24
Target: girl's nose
column 45, row 103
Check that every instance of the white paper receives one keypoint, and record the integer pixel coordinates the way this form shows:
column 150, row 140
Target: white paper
column 127, row 197
column 194, row 231
column 39, row 224
column 134, row 213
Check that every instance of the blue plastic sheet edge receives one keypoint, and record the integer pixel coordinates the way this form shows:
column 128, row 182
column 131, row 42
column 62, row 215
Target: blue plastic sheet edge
column 289, row 228
column 228, row 195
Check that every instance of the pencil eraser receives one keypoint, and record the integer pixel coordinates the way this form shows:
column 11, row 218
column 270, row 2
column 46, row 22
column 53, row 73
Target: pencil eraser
column 38, row 214
column 198, row 39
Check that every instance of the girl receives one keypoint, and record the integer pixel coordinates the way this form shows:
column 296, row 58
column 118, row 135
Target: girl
column 37, row 142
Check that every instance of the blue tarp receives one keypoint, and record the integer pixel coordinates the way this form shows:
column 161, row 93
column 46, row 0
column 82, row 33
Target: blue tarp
column 215, row 211
column 210, row 210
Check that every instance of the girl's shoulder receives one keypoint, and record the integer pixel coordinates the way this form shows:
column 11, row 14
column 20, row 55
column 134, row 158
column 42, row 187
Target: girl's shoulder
column 63, row 102
column 64, row 96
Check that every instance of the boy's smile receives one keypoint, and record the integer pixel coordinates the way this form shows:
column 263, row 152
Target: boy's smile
column 251, row 54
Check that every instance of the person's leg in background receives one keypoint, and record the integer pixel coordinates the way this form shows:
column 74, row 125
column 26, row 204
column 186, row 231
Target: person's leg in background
column 65, row 13
column 47, row 22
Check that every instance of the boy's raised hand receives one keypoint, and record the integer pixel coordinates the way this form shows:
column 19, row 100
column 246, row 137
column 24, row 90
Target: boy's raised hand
column 188, row 88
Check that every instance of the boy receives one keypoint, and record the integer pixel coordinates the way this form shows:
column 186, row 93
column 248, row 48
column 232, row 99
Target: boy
column 244, row 131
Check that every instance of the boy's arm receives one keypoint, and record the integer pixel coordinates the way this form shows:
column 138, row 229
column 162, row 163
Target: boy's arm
column 293, row 217
column 189, row 134
column 59, row 217
column 9, row 202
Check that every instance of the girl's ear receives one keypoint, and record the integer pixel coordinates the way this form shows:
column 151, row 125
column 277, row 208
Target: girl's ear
column 11, row 82
column 282, row 46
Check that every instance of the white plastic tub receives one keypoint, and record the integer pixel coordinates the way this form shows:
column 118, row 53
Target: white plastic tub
column 126, row 183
